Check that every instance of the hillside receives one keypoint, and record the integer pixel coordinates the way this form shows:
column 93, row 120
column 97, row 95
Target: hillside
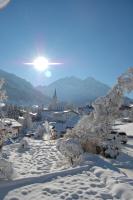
column 20, row 91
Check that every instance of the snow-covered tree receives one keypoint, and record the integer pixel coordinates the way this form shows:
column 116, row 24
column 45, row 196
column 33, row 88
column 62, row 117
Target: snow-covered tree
column 40, row 132
column 6, row 169
column 47, row 130
column 24, row 145
column 70, row 148
column 2, row 92
column 12, row 111
column 97, row 126
column 39, row 114
column 27, row 123
column 2, row 98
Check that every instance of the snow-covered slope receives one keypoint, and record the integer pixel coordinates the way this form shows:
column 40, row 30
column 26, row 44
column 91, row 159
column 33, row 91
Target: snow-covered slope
column 43, row 173
column 97, row 184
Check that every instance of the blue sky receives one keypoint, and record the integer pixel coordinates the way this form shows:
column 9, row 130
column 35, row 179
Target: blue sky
column 91, row 37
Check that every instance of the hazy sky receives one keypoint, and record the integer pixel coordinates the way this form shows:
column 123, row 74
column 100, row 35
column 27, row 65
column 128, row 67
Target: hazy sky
column 91, row 37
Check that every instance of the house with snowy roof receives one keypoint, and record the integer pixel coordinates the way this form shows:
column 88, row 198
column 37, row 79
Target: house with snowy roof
column 10, row 127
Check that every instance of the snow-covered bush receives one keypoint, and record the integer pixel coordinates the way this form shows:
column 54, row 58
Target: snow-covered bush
column 70, row 148
column 27, row 123
column 110, row 148
column 90, row 145
column 23, row 145
column 6, row 169
column 39, row 132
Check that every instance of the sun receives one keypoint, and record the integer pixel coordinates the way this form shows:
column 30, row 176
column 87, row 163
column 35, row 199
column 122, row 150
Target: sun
column 41, row 63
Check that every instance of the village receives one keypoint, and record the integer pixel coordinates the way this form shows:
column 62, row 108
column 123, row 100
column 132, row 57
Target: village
column 57, row 118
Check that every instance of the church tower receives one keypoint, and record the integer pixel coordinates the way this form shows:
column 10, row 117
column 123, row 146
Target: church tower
column 55, row 97
column 54, row 102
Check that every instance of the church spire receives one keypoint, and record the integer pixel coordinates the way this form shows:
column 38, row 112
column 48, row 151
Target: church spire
column 54, row 102
column 55, row 94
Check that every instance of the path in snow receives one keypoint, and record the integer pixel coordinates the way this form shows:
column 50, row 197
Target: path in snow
column 40, row 159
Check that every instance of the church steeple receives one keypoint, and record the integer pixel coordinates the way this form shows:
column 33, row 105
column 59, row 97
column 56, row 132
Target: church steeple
column 55, row 95
column 54, row 102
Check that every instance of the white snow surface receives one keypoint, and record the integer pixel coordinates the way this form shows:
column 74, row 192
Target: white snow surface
column 43, row 173
column 125, row 159
column 40, row 158
column 126, row 127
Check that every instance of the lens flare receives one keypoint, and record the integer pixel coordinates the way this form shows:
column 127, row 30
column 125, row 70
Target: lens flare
column 48, row 74
column 40, row 63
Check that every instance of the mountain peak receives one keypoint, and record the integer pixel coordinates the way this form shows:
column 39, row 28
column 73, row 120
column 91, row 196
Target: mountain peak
column 75, row 90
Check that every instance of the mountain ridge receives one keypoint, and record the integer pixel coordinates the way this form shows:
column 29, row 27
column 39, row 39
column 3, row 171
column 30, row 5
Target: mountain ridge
column 20, row 91
column 75, row 90
column 69, row 89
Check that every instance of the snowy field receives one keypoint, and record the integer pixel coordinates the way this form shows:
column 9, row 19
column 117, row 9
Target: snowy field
column 126, row 127
column 41, row 173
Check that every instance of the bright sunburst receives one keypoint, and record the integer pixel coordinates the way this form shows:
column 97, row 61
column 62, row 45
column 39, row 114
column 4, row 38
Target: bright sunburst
column 41, row 63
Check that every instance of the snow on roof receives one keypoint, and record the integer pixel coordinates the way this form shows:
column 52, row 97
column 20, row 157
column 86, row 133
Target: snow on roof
column 21, row 117
column 65, row 111
column 35, row 106
column 16, row 124
column 45, row 109
column 12, row 122
column 2, row 104
column 52, row 123
column 33, row 114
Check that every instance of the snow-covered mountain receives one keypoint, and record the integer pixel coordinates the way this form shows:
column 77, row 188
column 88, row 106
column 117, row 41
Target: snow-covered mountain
column 70, row 89
column 20, row 91
column 76, row 90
